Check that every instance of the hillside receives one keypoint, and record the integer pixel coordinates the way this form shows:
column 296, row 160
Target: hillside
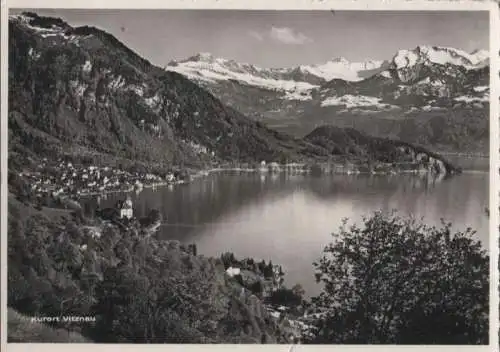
column 398, row 154
column 138, row 288
column 377, row 97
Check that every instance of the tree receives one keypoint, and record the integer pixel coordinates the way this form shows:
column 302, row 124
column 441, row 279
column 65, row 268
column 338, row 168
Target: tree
column 398, row 281
column 262, row 266
column 154, row 216
column 298, row 290
column 268, row 270
column 285, row 297
column 193, row 249
column 228, row 259
column 257, row 288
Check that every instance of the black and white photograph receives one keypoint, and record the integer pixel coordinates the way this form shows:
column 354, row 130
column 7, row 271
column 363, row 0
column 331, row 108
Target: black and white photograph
column 225, row 176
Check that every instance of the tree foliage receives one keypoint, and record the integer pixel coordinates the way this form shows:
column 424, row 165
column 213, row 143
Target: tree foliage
column 286, row 297
column 397, row 281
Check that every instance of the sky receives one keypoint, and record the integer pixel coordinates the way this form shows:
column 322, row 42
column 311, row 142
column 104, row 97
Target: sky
column 282, row 38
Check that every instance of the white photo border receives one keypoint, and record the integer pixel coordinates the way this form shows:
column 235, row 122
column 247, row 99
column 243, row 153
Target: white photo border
column 363, row 5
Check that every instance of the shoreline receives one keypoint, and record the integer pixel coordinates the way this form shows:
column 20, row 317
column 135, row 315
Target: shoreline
column 208, row 172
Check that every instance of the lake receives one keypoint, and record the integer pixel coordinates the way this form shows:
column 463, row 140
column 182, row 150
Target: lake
column 289, row 218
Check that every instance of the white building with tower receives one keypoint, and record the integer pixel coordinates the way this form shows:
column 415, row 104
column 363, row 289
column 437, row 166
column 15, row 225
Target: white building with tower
column 126, row 208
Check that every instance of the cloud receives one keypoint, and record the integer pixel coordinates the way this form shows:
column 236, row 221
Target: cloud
column 256, row 35
column 287, row 35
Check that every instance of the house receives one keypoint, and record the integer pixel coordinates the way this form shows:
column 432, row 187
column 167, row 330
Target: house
column 422, row 157
column 125, row 209
column 263, row 167
column 274, row 167
column 138, row 185
column 233, row 271
column 277, row 277
column 170, row 177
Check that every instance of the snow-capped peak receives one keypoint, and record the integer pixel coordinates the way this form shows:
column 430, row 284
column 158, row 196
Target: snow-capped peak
column 45, row 27
column 482, row 57
column 438, row 55
column 206, row 68
column 341, row 68
column 480, row 54
column 24, row 18
column 33, row 21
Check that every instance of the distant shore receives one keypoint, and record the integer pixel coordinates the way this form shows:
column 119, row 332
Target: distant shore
column 304, row 171
column 94, row 180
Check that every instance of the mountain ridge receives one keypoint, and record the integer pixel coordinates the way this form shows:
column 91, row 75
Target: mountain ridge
column 341, row 68
column 424, row 81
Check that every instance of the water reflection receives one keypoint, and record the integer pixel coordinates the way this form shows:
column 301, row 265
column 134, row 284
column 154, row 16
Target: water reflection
column 289, row 218
column 372, row 184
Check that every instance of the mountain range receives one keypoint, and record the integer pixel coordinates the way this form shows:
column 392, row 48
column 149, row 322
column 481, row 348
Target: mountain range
column 440, row 94
column 78, row 91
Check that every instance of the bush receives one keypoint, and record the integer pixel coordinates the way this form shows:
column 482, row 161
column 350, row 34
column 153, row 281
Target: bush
column 397, row 281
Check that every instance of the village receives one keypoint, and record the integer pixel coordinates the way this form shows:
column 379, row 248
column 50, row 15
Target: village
column 63, row 184
column 64, row 178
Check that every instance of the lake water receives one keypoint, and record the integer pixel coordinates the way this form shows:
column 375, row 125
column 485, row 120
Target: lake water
column 289, row 219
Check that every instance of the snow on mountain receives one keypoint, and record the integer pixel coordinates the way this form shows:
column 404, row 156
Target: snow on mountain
column 484, row 98
column 438, row 55
column 57, row 30
column 340, row 68
column 303, row 82
column 298, row 95
column 355, row 101
column 206, row 68
column 481, row 56
column 385, row 74
column 197, row 67
column 480, row 89
column 429, row 81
